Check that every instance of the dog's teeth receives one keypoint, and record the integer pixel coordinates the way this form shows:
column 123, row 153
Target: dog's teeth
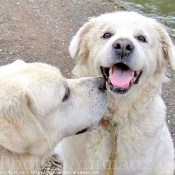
column 137, row 73
column 133, row 73
column 110, row 70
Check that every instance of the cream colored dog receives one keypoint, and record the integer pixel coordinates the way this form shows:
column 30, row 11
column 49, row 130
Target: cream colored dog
column 131, row 51
column 38, row 107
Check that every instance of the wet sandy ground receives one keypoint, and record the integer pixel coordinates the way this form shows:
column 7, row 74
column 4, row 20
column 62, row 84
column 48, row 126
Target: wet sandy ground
column 40, row 30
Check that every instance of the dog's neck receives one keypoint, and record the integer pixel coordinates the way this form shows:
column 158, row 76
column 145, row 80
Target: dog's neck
column 123, row 106
column 24, row 163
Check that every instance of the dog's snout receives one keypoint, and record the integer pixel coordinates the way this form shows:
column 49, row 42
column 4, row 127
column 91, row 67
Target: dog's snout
column 102, row 84
column 123, row 47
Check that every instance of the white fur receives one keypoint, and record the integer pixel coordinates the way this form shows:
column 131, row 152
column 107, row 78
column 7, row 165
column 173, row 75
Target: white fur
column 144, row 144
column 34, row 116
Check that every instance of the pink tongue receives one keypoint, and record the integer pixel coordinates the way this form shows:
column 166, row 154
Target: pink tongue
column 121, row 78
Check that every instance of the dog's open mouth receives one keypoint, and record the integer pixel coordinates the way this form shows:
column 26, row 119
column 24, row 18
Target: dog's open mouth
column 120, row 77
column 82, row 131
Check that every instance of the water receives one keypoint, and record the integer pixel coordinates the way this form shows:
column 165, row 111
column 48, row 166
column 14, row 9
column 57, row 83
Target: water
column 163, row 11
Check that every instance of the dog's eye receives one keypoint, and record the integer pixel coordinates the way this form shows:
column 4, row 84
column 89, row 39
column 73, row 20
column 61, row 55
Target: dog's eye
column 142, row 39
column 66, row 95
column 107, row 35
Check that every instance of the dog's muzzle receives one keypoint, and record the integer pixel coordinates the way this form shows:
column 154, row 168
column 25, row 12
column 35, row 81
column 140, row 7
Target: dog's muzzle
column 120, row 77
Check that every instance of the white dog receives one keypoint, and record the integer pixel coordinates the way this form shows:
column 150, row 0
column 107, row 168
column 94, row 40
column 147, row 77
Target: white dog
column 131, row 51
column 38, row 107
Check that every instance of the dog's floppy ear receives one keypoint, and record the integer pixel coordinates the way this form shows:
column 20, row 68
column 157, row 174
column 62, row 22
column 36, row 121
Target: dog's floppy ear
column 20, row 131
column 167, row 46
column 78, row 48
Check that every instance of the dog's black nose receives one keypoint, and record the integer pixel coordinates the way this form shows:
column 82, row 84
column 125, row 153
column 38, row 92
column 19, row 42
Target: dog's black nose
column 123, row 47
column 102, row 84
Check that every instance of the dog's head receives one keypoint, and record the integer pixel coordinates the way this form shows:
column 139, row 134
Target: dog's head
column 125, row 47
column 38, row 106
